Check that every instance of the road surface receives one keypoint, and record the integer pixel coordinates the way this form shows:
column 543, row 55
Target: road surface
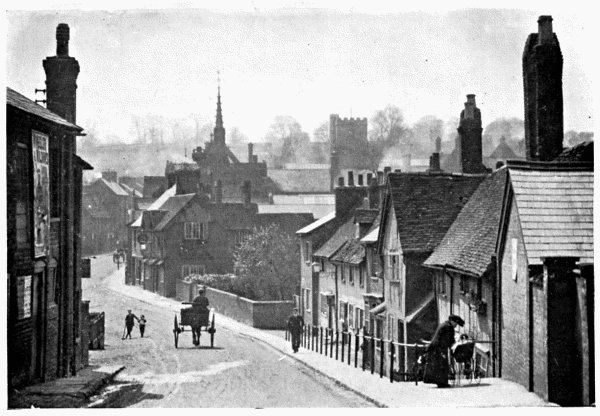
column 238, row 372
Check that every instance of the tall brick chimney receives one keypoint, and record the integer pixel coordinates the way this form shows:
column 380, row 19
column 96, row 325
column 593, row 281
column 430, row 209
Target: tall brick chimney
column 469, row 135
column 250, row 153
column 542, row 83
column 218, row 192
column 61, row 77
column 247, row 193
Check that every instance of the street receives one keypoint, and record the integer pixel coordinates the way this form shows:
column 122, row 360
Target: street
column 238, row 372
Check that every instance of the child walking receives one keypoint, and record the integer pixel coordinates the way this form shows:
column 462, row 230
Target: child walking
column 142, row 324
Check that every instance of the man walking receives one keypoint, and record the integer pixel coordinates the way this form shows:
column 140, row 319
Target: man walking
column 129, row 322
column 296, row 327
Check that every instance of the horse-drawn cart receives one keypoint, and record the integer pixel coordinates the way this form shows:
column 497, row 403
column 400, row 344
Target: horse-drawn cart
column 198, row 319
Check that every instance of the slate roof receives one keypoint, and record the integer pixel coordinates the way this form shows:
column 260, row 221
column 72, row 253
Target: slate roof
column 316, row 224
column 23, row 103
column 288, row 222
column 301, row 180
column 426, row 205
column 114, row 187
column 344, row 233
column 470, row 242
column 351, row 252
column 555, row 208
column 156, row 204
column 172, row 206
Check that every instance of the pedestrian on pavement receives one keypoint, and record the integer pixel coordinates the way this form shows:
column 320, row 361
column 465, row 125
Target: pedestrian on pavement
column 295, row 327
column 436, row 369
column 129, row 322
column 142, row 324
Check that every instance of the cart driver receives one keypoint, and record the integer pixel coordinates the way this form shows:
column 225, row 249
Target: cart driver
column 200, row 306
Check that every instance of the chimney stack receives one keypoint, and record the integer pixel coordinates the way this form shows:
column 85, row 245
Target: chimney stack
column 350, row 178
column 469, row 135
column 542, row 82
column 434, row 163
column 218, row 192
column 380, row 178
column 247, row 193
column 341, row 182
column 360, row 180
column 250, row 153
column 61, row 78
column 369, row 178
column 374, row 197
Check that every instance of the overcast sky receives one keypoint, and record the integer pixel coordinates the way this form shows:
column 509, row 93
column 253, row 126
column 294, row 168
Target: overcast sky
column 305, row 63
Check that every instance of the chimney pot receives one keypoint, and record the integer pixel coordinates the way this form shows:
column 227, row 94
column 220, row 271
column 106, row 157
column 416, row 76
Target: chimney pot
column 545, row 29
column 62, row 39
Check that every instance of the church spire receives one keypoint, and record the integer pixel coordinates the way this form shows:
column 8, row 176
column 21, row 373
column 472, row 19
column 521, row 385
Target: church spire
column 219, row 131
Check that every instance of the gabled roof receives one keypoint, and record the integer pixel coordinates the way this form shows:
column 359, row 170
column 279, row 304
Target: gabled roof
column 554, row 203
column 470, row 242
column 426, row 205
column 337, row 240
column 173, row 206
column 317, row 224
column 351, row 252
column 114, row 187
column 503, row 151
column 23, row 103
column 157, row 204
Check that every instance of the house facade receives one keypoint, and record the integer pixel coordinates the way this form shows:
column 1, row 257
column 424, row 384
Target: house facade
column 46, row 318
column 417, row 211
column 545, row 266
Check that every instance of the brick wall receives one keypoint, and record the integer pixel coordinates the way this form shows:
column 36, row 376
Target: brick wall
column 514, row 325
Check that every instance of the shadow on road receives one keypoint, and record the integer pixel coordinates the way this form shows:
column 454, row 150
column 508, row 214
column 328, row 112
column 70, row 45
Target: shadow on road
column 123, row 394
column 202, row 347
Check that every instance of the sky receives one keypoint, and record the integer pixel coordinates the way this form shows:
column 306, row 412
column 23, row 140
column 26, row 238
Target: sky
column 307, row 61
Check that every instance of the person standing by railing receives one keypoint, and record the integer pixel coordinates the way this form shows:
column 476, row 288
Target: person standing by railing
column 436, row 369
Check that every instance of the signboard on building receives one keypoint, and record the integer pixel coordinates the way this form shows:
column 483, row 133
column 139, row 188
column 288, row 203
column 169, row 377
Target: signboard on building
column 41, row 192
column 23, row 297
column 86, row 268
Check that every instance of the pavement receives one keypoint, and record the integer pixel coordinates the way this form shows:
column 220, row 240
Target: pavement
column 491, row 392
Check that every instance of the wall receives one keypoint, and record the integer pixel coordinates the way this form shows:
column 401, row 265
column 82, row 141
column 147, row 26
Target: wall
column 540, row 337
column 515, row 312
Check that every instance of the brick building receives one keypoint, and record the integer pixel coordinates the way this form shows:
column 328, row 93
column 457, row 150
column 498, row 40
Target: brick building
column 46, row 316
column 465, row 269
column 545, row 266
column 185, row 233
column 417, row 211
column 107, row 210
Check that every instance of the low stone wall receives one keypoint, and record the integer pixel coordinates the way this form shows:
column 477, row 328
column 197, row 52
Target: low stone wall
column 259, row 314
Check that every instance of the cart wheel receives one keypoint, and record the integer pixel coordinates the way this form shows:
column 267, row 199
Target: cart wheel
column 212, row 332
column 176, row 331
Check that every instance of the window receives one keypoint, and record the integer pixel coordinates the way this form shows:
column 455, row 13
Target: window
column 395, row 270
column 359, row 320
column 361, row 276
column 514, row 247
column 307, row 252
column 463, row 285
column 442, row 287
column 189, row 269
column 350, row 316
column 342, row 274
column 390, row 326
column 22, row 217
column 344, row 311
column 307, row 299
column 194, row 231
column 351, row 275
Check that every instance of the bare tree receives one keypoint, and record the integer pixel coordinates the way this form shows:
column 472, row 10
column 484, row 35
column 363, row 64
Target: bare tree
column 237, row 137
column 387, row 126
column 321, row 133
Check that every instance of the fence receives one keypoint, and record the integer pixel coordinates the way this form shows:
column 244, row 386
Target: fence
column 363, row 351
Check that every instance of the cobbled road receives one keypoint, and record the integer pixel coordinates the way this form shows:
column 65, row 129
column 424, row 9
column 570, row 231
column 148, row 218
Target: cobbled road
column 238, row 372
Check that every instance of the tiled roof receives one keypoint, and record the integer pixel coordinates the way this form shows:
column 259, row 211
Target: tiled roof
column 426, row 205
column 583, row 152
column 315, row 225
column 555, row 209
column 352, row 252
column 301, row 180
column 114, row 187
column 21, row 102
column 470, row 242
column 337, row 240
column 172, row 206
column 288, row 222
